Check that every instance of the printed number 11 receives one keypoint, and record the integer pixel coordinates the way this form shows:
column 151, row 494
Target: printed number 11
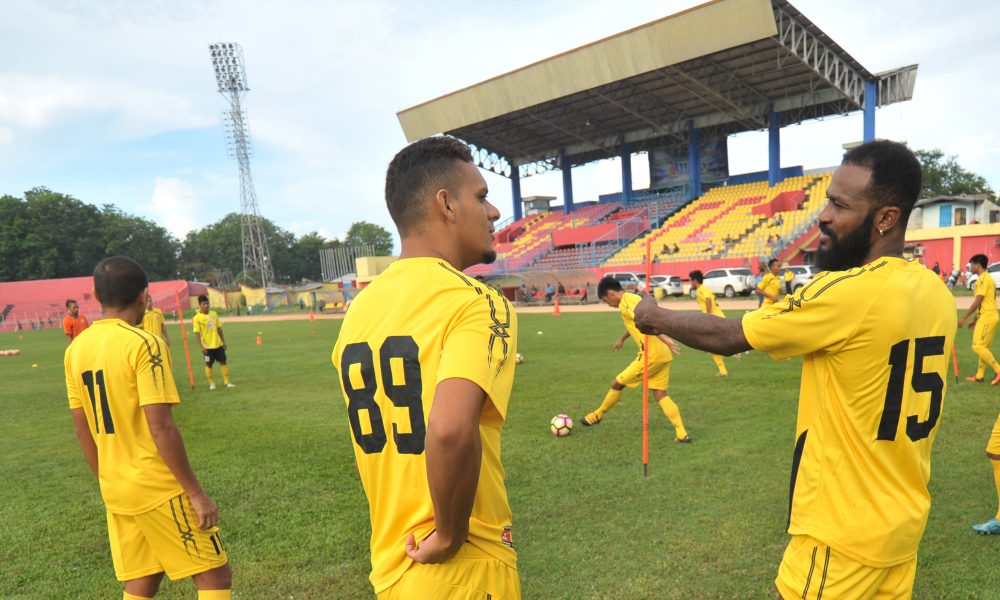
column 91, row 382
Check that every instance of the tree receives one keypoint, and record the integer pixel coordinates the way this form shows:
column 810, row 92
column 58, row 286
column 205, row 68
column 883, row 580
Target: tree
column 943, row 176
column 362, row 233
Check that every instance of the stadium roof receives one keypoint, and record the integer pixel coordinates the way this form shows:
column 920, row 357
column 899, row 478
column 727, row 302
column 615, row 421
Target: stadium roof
column 720, row 65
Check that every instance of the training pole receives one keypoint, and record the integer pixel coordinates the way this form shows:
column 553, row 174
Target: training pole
column 645, row 381
column 954, row 361
column 184, row 336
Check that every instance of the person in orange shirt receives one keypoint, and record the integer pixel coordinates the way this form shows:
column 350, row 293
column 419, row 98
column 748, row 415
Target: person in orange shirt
column 74, row 323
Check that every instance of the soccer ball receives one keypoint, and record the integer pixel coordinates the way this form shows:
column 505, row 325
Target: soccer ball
column 561, row 425
column 518, row 358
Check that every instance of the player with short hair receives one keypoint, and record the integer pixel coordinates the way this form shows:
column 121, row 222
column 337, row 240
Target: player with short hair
column 154, row 322
column 208, row 334
column 710, row 306
column 770, row 284
column 73, row 323
column 121, row 391
column 427, row 384
column 875, row 331
column 985, row 322
column 661, row 353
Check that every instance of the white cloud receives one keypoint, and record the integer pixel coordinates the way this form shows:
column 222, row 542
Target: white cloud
column 174, row 205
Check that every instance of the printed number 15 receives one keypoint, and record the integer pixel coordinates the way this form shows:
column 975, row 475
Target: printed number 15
column 919, row 381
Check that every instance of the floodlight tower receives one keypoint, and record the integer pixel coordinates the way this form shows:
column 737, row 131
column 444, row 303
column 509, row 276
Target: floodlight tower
column 227, row 59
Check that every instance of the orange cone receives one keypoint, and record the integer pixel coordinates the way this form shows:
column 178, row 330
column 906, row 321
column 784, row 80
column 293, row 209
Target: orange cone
column 555, row 308
column 260, row 342
column 312, row 315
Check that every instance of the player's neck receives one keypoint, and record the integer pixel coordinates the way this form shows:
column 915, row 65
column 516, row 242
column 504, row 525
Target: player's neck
column 885, row 247
column 128, row 314
column 426, row 247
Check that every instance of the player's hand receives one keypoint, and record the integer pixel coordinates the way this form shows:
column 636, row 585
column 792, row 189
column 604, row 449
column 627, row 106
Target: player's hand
column 204, row 350
column 674, row 347
column 618, row 346
column 432, row 550
column 644, row 313
column 972, row 324
column 208, row 514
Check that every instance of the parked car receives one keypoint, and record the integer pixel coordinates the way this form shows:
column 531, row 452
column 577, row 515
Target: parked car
column 801, row 275
column 994, row 271
column 629, row 280
column 729, row 281
column 670, row 284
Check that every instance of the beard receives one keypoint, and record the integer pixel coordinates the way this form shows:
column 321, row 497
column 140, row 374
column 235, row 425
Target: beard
column 489, row 257
column 849, row 251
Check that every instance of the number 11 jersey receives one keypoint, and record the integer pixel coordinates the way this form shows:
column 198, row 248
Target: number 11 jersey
column 419, row 323
column 876, row 341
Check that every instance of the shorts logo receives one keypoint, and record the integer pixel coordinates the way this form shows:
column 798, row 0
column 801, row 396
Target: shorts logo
column 505, row 538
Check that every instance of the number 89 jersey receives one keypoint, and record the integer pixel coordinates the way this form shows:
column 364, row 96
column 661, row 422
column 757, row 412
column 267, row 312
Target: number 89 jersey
column 419, row 323
column 876, row 341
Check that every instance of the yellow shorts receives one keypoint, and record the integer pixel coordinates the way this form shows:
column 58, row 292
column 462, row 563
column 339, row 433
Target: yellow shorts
column 811, row 569
column 167, row 539
column 994, row 446
column 470, row 575
column 982, row 335
column 659, row 375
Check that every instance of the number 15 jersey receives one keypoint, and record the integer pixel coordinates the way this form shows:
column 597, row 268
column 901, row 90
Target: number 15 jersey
column 876, row 341
column 419, row 323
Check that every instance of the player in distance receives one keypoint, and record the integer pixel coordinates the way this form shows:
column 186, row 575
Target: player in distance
column 661, row 354
column 875, row 331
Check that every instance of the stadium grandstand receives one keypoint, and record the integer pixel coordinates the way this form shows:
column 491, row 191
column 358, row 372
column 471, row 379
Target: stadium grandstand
column 675, row 88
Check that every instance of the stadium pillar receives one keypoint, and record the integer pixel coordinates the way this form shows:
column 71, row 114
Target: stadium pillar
column 626, row 155
column 871, row 96
column 567, row 176
column 773, row 148
column 694, row 161
column 515, row 190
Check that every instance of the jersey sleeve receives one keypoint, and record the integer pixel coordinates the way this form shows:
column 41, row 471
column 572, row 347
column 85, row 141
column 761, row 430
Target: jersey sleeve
column 72, row 390
column 153, row 374
column 67, row 326
column 980, row 287
column 627, row 305
column 480, row 347
column 815, row 318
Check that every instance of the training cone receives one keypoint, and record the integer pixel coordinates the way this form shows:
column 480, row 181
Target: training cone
column 555, row 308
column 312, row 315
column 260, row 342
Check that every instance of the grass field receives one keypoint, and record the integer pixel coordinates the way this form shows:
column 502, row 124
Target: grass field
column 708, row 521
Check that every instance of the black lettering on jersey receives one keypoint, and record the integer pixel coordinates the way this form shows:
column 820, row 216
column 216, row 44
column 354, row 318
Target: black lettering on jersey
column 498, row 331
column 796, row 301
column 155, row 354
column 461, row 276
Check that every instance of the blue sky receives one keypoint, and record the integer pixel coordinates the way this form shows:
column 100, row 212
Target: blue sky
column 115, row 102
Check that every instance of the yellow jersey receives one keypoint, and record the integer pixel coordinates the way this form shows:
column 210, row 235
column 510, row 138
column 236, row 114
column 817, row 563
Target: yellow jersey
column 112, row 370
column 658, row 351
column 772, row 285
column 704, row 296
column 986, row 287
column 208, row 326
column 876, row 342
column 153, row 321
column 417, row 324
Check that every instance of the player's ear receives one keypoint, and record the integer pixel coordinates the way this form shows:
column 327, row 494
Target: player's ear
column 444, row 204
column 886, row 217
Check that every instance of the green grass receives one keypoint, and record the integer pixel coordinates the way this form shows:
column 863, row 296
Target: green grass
column 275, row 454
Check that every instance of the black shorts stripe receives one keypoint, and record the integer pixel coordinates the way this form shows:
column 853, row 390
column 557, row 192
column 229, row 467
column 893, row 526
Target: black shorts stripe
column 215, row 545
column 826, row 567
column 184, row 531
column 812, row 567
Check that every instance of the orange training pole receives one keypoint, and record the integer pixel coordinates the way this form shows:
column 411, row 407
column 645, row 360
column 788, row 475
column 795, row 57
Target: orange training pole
column 645, row 380
column 954, row 361
column 184, row 336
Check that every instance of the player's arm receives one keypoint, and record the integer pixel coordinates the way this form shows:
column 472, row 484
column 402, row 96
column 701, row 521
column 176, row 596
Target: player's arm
column 454, row 456
column 222, row 337
column 760, row 292
column 976, row 303
column 170, row 445
column 621, row 340
column 86, row 440
column 166, row 336
column 670, row 344
column 197, row 338
column 697, row 330
column 708, row 306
